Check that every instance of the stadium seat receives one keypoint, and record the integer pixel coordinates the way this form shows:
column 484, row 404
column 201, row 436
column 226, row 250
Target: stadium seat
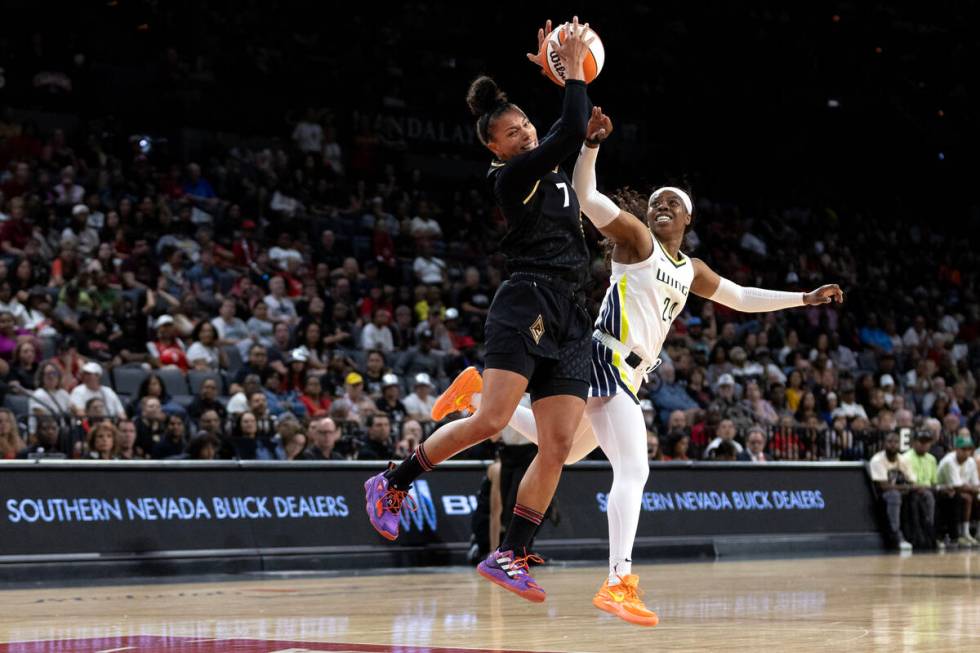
column 129, row 379
column 173, row 380
column 196, row 377
column 18, row 404
column 184, row 401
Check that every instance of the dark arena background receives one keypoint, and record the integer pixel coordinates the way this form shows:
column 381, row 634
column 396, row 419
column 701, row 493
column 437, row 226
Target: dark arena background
column 244, row 246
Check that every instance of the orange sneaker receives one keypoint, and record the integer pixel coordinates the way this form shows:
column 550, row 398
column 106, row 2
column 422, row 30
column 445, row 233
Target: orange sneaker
column 623, row 600
column 457, row 395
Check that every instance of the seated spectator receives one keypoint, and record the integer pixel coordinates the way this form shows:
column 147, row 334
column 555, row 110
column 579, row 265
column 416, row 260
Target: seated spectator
column 923, row 506
column 244, row 440
column 357, row 403
column 204, row 446
column 412, row 434
column 151, row 423
column 697, row 388
column 849, row 406
column 39, row 317
column 207, row 399
column 429, row 269
column 957, row 476
column 374, row 372
column 322, row 435
column 423, row 359
column 153, row 386
column 91, row 387
column 669, row 395
column 11, row 442
column 238, row 403
column 204, row 354
column 10, row 304
column 231, row 328
column 258, row 406
column 100, row 443
column 290, row 440
column 260, row 328
column 390, row 401
column 210, row 424
column 315, row 401
column 653, row 447
column 725, row 433
column 24, row 367
column 377, row 445
column 167, row 350
column 894, row 479
column 298, row 369
column 281, row 307
column 10, row 335
column 280, row 400
column 258, row 362
column 728, row 405
column 46, row 440
column 724, row 452
column 280, row 349
column 173, row 441
column 126, row 440
column 755, row 446
column 309, row 343
column 376, row 334
column 760, row 408
column 419, row 404
column 677, row 447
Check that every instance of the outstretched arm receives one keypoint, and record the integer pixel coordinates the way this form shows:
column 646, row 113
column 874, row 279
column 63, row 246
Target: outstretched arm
column 524, row 170
column 621, row 227
column 708, row 284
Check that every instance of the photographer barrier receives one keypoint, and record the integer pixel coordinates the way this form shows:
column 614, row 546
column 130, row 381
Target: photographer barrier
column 159, row 516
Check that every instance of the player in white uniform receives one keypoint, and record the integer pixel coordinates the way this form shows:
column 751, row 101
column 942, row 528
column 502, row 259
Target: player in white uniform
column 649, row 285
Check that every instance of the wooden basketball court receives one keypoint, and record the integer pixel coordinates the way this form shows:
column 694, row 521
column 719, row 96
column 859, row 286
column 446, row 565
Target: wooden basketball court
column 870, row 603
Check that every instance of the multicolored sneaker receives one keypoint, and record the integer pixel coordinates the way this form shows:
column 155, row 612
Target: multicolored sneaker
column 510, row 572
column 457, row 395
column 384, row 504
column 623, row 600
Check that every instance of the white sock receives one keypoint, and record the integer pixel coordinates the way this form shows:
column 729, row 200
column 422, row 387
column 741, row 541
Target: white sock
column 965, row 528
column 618, row 569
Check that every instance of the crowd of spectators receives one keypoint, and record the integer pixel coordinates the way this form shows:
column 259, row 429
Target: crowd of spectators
column 307, row 294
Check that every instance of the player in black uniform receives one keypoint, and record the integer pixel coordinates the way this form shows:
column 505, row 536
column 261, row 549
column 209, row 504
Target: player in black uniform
column 538, row 335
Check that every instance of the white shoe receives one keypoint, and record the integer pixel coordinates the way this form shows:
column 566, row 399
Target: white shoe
column 904, row 546
column 940, row 545
column 966, row 542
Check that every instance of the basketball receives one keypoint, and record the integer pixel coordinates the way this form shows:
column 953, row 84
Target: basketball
column 553, row 66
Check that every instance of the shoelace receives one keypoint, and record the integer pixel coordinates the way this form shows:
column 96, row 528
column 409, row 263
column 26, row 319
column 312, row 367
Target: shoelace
column 519, row 564
column 392, row 501
column 632, row 592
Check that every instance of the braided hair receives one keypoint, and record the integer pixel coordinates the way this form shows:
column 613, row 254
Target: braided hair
column 487, row 102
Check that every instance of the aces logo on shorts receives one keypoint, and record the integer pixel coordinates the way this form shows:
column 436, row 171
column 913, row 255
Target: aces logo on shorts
column 537, row 329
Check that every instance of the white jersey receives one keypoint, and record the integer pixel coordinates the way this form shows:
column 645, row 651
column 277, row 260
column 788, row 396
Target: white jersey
column 640, row 305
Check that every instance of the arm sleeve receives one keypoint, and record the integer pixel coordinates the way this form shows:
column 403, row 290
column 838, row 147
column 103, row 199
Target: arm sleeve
column 600, row 209
column 754, row 300
column 520, row 173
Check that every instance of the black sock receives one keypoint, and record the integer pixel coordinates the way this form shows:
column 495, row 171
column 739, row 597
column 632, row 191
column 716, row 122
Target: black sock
column 523, row 525
column 411, row 468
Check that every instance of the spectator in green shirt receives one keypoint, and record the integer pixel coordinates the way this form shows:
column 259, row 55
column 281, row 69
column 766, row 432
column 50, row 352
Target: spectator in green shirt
column 924, row 465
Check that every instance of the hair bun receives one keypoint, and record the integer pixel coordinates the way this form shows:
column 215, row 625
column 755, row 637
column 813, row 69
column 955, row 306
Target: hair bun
column 484, row 96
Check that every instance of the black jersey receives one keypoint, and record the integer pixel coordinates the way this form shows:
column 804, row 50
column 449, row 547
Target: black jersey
column 544, row 222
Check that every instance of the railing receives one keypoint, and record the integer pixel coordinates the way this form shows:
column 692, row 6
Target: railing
column 804, row 443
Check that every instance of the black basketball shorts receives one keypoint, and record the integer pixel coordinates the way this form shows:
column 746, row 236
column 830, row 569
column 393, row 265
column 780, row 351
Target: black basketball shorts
column 539, row 329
